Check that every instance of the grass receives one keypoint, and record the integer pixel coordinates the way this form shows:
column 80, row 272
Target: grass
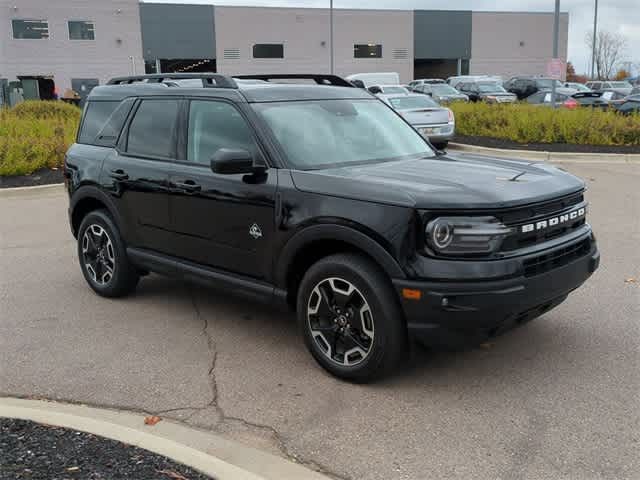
column 36, row 135
column 523, row 123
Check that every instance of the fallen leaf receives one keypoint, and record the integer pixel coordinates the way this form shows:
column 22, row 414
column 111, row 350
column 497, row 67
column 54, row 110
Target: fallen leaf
column 73, row 469
column 172, row 474
column 151, row 420
column 630, row 280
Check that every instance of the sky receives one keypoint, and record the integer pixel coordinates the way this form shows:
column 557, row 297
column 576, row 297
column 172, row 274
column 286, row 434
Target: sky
column 621, row 16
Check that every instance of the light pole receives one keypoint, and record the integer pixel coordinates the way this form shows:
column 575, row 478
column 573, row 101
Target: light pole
column 556, row 31
column 331, row 35
column 594, row 42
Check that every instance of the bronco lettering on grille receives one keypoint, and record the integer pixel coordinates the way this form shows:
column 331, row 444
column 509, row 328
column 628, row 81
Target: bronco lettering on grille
column 554, row 221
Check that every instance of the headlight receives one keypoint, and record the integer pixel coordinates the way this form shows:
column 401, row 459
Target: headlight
column 465, row 235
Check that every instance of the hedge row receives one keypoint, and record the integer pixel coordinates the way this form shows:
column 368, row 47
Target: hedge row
column 35, row 135
column 524, row 123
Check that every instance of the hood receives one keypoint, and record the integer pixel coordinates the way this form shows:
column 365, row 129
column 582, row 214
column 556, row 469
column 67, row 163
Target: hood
column 446, row 182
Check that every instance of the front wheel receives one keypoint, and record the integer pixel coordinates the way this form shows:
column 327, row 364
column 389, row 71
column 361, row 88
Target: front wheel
column 350, row 319
column 103, row 257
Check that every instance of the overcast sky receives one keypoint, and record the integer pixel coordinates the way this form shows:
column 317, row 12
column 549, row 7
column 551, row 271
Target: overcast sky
column 622, row 16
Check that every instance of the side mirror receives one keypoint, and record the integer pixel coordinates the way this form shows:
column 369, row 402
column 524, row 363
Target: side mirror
column 227, row 161
column 358, row 83
column 375, row 90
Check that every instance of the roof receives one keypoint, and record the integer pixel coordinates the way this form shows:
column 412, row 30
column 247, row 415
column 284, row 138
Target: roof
column 245, row 88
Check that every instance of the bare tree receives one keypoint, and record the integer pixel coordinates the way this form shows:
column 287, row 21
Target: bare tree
column 609, row 52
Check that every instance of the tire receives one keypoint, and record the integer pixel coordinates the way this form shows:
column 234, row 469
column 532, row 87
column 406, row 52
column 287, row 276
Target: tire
column 373, row 339
column 103, row 256
column 440, row 145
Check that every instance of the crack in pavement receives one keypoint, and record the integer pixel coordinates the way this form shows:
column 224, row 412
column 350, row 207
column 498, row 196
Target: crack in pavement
column 226, row 420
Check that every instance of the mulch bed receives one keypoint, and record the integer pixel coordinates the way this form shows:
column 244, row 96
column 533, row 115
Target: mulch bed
column 44, row 176
column 33, row 451
column 544, row 147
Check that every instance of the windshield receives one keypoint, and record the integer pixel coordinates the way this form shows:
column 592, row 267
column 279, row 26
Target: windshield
column 443, row 89
column 490, row 87
column 547, row 83
column 412, row 103
column 621, row 85
column 324, row 133
column 394, row 90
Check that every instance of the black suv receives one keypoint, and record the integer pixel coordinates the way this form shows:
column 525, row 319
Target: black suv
column 323, row 199
column 525, row 86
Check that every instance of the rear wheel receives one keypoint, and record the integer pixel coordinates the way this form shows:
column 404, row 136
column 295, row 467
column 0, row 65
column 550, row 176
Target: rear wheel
column 350, row 319
column 440, row 145
column 103, row 257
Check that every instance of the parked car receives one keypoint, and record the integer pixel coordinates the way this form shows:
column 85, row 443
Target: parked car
column 613, row 96
column 430, row 119
column 422, row 81
column 486, row 91
column 441, row 92
column 388, row 89
column 322, row 199
column 569, row 98
column 635, row 91
column 365, row 80
column 525, row 86
column 579, row 87
column 617, row 86
column 454, row 81
column 629, row 106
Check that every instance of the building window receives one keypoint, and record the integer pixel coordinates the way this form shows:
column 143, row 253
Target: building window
column 367, row 50
column 268, row 50
column 30, row 29
column 81, row 30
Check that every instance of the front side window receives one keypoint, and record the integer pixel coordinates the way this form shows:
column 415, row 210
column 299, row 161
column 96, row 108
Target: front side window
column 268, row 50
column 215, row 125
column 30, row 29
column 326, row 133
column 152, row 130
column 81, row 30
column 367, row 50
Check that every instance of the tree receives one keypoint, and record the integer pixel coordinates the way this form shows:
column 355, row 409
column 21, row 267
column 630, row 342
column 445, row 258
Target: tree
column 622, row 74
column 609, row 51
column 572, row 76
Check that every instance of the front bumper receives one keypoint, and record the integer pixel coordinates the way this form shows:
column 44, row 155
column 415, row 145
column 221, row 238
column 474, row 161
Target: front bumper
column 465, row 313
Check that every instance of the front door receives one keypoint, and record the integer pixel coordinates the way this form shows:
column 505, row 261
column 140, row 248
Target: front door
column 221, row 221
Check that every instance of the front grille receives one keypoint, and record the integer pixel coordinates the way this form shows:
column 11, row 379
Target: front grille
column 532, row 215
column 557, row 258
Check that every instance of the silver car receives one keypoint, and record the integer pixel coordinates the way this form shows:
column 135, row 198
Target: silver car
column 433, row 121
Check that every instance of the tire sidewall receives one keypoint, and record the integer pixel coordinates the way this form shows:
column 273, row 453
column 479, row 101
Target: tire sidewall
column 387, row 322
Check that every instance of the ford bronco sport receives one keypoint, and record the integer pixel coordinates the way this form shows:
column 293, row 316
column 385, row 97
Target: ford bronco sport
column 322, row 198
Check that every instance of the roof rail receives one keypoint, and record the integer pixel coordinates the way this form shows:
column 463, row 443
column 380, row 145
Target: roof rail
column 321, row 79
column 208, row 79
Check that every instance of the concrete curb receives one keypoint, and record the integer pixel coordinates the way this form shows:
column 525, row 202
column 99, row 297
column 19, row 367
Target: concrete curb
column 547, row 156
column 16, row 191
column 208, row 453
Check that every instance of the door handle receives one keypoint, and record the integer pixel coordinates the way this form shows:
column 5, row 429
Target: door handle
column 119, row 174
column 189, row 186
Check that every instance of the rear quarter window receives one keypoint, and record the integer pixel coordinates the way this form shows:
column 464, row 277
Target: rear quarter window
column 94, row 120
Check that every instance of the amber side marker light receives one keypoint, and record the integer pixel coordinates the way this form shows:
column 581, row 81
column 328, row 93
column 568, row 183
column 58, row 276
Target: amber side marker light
column 411, row 294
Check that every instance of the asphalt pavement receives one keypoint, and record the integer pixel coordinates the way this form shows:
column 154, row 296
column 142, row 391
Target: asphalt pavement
column 556, row 399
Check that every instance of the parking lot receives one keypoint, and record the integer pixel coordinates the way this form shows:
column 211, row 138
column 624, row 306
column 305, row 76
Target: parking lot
column 556, row 399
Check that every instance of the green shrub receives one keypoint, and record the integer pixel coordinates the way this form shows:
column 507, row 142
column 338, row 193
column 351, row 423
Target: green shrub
column 523, row 123
column 35, row 135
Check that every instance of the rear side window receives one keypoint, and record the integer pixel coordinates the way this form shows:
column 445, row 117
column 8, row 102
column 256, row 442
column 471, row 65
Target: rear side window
column 152, row 131
column 95, row 118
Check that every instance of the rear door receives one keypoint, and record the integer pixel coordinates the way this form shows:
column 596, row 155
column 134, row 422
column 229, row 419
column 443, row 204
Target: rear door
column 221, row 221
column 137, row 174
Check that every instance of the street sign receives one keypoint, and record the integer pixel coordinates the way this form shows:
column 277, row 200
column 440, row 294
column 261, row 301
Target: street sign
column 556, row 68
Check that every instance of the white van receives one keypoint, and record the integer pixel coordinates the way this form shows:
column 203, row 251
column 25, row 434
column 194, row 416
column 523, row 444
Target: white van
column 369, row 79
